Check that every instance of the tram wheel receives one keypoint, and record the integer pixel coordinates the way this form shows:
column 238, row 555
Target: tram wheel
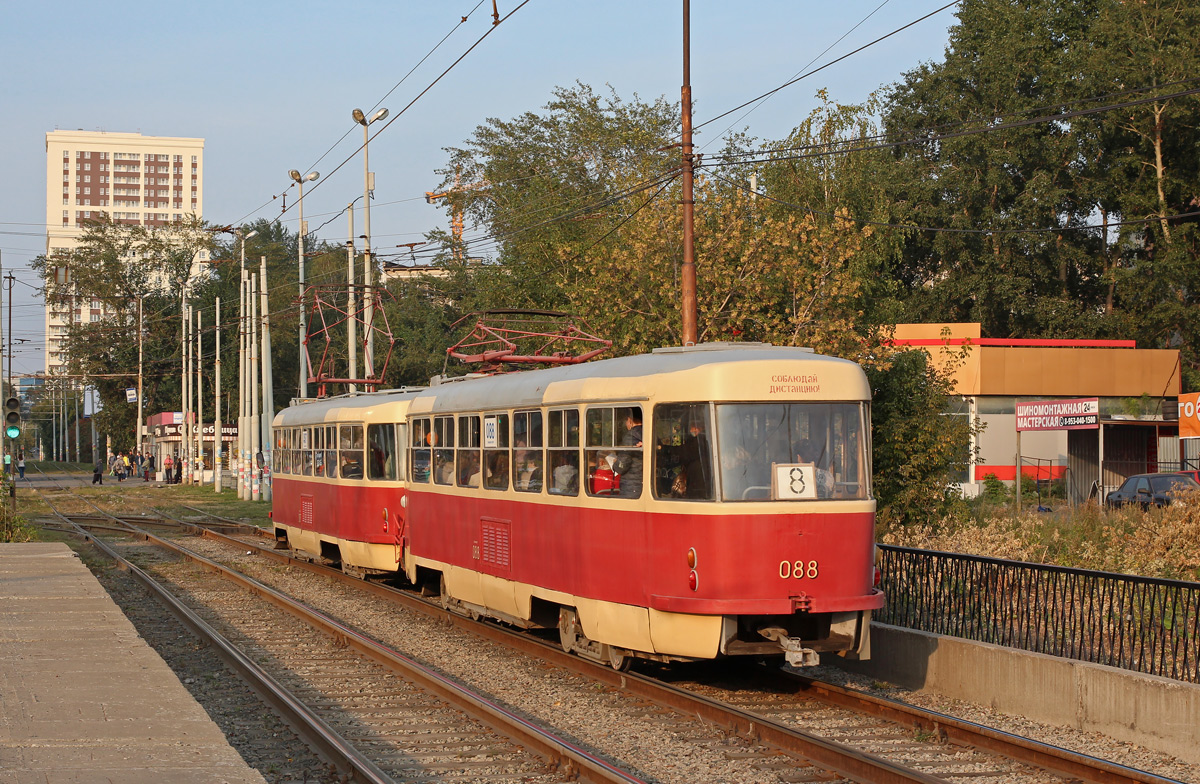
column 619, row 658
column 567, row 629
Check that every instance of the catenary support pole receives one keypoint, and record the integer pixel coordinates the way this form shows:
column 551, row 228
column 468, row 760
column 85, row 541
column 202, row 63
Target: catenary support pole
column 254, row 432
column 243, row 371
column 218, row 442
column 141, row 357
column 688, row 269
column 199, row 461
column 185, row 432
column 352, row 315
column 268, row 387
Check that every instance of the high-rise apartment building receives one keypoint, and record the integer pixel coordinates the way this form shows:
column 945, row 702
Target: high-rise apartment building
column 137, row 180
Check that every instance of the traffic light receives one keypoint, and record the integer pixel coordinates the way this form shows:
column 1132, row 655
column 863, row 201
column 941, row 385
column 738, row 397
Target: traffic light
column 12, row 417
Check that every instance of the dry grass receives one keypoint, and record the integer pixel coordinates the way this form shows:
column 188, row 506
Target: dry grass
column 1152, row 543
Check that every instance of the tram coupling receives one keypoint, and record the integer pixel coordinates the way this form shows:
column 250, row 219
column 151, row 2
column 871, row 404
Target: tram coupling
column 794, row 651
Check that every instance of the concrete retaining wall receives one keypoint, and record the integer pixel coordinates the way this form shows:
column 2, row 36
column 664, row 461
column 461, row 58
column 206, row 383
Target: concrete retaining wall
column 1158, row 713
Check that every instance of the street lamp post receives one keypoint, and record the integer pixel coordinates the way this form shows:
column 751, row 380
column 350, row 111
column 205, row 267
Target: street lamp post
column 368, row 266
column 239, row 459
column 295, row 175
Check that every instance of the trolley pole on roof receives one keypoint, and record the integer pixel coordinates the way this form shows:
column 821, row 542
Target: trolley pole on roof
column 688, row 273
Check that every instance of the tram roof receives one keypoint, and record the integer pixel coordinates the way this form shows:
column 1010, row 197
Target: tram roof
column 725, row 371
column 342, row 407
column 719, row 372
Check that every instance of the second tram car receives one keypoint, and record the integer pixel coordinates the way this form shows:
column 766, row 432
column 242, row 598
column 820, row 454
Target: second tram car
column 686, row 504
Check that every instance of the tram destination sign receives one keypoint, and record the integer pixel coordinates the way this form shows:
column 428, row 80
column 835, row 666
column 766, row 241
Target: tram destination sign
column 1080, row 414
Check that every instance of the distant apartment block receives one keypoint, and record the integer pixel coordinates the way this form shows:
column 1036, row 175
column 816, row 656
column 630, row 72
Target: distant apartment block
column 135, row 179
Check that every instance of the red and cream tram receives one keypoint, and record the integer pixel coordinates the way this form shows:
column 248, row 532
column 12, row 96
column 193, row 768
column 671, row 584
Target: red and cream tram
column 686, row 504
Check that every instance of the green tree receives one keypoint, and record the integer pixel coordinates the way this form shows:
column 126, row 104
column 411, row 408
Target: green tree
column 117, row 269
column 1004, row 62
column 916, row 449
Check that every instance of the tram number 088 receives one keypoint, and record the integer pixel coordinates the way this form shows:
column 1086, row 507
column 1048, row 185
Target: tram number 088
column 798, row 569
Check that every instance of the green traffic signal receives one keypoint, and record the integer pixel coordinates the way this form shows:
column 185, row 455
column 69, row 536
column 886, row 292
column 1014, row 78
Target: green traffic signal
column 12, row 417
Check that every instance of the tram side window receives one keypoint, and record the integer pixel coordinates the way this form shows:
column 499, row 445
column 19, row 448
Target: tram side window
column 306, row 442
column 443, row 452
column 331, row 455
column 563, row 452
column 350, row 451
column 614, row 452
column 495, row 451
column 468, row 468
column 319, row 462
column 683, row 452
column 401, row 440
column 381, row 447
column 421, row 457
column 527, row 451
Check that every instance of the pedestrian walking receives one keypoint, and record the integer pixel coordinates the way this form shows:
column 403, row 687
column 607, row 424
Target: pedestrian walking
column 21, row 464
column 98, row 472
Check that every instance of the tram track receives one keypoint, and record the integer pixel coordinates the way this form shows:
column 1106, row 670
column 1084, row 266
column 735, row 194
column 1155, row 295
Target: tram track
column 770, row 734
column 377, row 716
column 938, row 744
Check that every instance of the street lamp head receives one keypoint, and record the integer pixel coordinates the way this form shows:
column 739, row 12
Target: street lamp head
column 359, row 117
column 312, row 176
column 295, row 175
column 379, row 115
column 251, row 234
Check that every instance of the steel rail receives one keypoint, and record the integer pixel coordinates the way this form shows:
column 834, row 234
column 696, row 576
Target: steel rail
column 309, row 726
column 1042, row 755
column 841, row 760
column 1053, row 758
column 572, row 760
column 750, row 725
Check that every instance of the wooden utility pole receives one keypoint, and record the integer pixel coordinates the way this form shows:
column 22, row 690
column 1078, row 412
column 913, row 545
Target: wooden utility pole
column 688, row 273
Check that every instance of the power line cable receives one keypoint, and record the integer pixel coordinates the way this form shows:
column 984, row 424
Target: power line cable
column 828, row 64
column 428, row 54
column 765, row 98
column 943, row 230
column 748, row 157
column 420, row 95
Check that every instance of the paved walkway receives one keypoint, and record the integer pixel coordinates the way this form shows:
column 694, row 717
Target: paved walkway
column 83, row 698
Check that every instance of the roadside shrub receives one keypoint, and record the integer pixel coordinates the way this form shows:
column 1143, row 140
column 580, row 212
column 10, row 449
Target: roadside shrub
column 1152, row 543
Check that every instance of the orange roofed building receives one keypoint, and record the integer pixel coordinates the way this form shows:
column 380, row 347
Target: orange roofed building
column 1137, row 429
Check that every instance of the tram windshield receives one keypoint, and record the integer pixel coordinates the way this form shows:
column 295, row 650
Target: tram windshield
column 793, row 451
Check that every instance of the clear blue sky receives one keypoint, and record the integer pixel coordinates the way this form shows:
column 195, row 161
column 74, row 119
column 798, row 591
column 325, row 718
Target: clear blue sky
column 270, row 87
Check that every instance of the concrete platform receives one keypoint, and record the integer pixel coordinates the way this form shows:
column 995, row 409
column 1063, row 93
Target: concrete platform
column 83, row 698
column 1158, row 713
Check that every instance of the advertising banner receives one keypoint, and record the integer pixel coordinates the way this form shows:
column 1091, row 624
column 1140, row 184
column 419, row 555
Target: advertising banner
column 1189, row 415
column 1080, row 414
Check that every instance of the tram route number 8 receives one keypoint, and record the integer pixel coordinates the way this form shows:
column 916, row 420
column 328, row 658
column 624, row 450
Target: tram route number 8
column 798, row 569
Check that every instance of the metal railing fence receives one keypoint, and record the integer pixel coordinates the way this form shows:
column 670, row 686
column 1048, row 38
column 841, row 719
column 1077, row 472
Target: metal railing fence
column 1144, row 624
